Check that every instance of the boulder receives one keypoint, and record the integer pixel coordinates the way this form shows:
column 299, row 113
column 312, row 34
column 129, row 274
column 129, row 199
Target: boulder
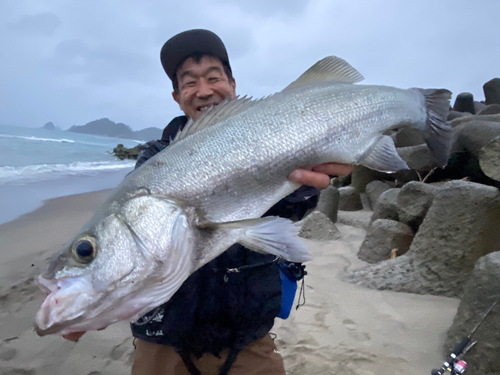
column 362, row 176
column 316, row 226
column 328, row 203
column 489, row 159
column 461, row 120
column 491, row 109
column 374, row 189
column 454, row 114
column 479, row 106
column 122, row 152
column 473, row 135
column 418, row 158
column 478, row 138
column 480, row 292
column 349, row 199
column 413, row 202
column 406, row 137
column 464, row 103
column 492, row 91
column 460, row 227
column 387, row 206
column 383, row 237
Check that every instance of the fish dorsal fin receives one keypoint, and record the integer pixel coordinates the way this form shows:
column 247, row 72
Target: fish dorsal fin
column 330, row 68
column 216, row 113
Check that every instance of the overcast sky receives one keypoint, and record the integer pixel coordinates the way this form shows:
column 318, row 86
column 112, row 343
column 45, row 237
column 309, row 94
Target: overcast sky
column 71, row 62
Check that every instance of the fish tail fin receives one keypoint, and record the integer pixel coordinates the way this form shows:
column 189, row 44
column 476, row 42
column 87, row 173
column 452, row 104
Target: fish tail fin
column 438, row 133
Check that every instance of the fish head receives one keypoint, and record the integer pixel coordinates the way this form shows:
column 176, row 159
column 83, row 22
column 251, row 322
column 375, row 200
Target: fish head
column 120, row 266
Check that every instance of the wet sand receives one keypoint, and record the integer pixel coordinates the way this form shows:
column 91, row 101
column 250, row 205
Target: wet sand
column 342, row 328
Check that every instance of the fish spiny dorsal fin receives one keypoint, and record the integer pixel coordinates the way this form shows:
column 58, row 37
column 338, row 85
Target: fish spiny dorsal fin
column 330, row 68
column 216, row 113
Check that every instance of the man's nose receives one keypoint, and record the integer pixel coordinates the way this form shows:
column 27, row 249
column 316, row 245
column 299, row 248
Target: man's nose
column 204, row 88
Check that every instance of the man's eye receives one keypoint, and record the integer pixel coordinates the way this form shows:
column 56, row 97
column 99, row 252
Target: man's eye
column 189, row 84
column 213, row 79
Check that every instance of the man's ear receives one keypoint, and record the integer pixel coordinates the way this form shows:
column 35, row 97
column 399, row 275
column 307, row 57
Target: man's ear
column 175, row 95
column 233, row 85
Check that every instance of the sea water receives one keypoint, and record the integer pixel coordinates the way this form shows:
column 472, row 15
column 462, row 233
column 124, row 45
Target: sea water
column 39, row 164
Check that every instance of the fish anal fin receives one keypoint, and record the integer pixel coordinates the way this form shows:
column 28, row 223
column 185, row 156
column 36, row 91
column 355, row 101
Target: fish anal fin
column 330, row 68
column 383, row 157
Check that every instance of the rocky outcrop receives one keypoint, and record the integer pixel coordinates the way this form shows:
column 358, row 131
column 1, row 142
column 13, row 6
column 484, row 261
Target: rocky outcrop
column 480, row 292
column 106, row 127
column 460, row 227
column 328, row 203
column 49, row 126
column 385, row 239
column 316, row 226
column 413, row 201
column 492, row 91
column 374, row 190
column 464, row 103
column 349, row 199
column 386, row 206
column 122, row 152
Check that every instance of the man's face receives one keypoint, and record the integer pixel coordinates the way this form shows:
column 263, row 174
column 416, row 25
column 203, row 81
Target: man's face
column 201, row 85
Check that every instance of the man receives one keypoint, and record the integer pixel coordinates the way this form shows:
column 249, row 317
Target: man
column 218, row 322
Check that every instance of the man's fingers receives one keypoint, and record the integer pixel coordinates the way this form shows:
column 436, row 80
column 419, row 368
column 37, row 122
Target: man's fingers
column 74, row 336
column 310, row 178
column 334, row 169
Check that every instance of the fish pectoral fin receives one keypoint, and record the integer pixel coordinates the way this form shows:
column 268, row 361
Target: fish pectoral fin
column 330, row 68
column 269, row 235
column 383, row 156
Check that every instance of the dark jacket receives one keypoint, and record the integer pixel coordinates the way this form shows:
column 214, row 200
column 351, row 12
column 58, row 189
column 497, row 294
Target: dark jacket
column 229, row 302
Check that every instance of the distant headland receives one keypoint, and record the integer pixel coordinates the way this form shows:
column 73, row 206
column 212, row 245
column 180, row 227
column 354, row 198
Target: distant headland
column 108, row 128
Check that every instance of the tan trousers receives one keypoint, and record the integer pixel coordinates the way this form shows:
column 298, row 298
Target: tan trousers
column 258, row 358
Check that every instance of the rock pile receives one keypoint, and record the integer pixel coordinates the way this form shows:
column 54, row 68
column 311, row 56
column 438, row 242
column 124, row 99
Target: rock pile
column 122, row 152
column 437, row 231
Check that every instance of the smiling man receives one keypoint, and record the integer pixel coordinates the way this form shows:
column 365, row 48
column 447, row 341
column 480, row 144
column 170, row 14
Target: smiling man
column 218, row 322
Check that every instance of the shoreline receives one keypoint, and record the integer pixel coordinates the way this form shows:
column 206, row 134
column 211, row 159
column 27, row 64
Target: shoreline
column 19, row 199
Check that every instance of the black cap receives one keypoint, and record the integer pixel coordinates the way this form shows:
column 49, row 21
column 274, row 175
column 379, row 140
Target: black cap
column 178, row 48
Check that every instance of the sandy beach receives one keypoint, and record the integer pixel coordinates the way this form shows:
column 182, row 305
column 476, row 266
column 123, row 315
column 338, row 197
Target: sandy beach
column 342, row 328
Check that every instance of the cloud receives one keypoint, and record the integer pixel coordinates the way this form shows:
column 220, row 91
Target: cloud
column 44, row 23
column 73, row 62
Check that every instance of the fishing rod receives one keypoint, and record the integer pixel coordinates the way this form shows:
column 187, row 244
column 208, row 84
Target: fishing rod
column 452, row 364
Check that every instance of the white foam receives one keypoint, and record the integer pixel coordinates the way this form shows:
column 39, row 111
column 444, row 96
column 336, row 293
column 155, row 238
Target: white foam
column 31, row 138
column 30, row 173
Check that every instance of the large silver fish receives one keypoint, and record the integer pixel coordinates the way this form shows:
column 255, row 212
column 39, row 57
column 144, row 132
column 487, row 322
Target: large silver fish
column 208, row 189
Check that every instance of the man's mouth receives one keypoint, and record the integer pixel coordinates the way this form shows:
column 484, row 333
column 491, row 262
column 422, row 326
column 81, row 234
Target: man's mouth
column 204, row 107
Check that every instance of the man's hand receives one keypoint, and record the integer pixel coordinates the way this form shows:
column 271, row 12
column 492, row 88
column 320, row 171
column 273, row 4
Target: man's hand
column 319, row 176
column 74, row 336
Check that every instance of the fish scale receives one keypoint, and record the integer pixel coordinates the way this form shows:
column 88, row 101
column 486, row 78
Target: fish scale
column 208, row 189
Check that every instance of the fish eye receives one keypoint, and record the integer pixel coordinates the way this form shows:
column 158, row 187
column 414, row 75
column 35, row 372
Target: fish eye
column 84, row 249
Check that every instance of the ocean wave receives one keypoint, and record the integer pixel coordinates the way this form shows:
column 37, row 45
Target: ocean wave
column 31, row 173
column 31, row 138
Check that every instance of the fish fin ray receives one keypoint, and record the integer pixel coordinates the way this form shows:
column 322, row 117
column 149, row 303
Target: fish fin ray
column 269, row 235
column 383, row 157
column 438, row 133
column 227, row 108
column 330, row 68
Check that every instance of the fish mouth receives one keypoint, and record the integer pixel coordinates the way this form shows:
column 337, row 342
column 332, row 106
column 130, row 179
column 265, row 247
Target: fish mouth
column 64, row 304
column 58, row 328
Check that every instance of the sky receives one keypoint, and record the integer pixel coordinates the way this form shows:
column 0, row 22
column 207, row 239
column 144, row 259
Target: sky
column 71, row 62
